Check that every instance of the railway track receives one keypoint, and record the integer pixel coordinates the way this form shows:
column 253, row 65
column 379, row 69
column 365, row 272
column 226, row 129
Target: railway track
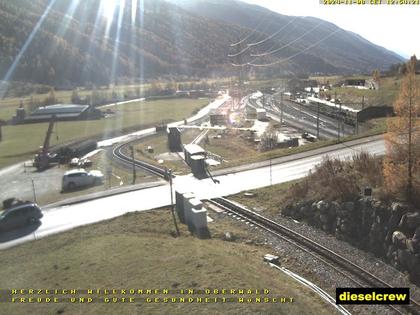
column 350, row 270
column 119, row 155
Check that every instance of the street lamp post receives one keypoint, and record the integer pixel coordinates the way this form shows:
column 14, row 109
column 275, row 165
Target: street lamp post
column 33, row 189
column 134, row 165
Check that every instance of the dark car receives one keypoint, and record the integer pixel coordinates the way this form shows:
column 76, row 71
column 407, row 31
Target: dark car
column 19, row 216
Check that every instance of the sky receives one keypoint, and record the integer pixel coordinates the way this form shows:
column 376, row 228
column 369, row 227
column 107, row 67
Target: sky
column 395, row 27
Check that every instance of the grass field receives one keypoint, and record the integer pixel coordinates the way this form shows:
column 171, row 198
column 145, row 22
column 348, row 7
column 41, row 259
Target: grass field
column 8, row 105
column 231, row 146
column 268, row 200
column 385, row 95
column 137, row 251
column 21, row 141
column 244, row 154
column 159, row 143
column 236, row 150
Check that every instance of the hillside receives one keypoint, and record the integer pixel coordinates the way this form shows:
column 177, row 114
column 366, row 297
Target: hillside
column 344, row 51
column 77, row 45
column 72, row 50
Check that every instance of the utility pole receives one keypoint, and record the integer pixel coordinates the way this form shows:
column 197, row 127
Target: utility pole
column 33, row 189
column 271, row 174
column 357, row 123
column 341, row 121
column 357, row 115
column 134, row 165
column 169, row 172
column 281, row 109
column 338, row 116
column 317, row 122
column 241, row 74
column 109, row 175
column 1, row 135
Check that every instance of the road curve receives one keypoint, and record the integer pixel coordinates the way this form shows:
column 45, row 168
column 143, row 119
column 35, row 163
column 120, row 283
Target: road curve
column 64, row 218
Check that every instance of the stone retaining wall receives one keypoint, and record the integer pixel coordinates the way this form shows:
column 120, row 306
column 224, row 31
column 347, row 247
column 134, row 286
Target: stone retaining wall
column 389, row 231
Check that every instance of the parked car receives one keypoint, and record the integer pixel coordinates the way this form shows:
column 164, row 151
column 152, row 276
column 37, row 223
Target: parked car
column 85, row 163
column 76, row 162
column 19, row 216
column 13, row 202
column 80, row 178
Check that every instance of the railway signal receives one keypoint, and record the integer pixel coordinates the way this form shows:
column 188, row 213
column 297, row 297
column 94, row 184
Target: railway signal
column 169, row 174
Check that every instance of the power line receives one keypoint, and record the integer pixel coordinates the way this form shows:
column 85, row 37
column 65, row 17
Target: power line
column 276, row 42
column 262, row 19
column 239, row 53
column 287, row 45
column 265, row 39
column 275, row 33
column 251, row 63
column 296, row 54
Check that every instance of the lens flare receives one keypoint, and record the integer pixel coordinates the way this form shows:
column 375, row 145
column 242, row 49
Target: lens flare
column 108, row 9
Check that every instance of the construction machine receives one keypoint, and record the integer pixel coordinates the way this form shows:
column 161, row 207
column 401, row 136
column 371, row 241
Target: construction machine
column 43, row 158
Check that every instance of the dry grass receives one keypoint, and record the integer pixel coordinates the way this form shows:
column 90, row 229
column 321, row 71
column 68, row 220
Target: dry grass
column 339, row 180
column 231, row 145
column 268, row 200
column 138, row 251
column 21, row 141
column 159, row 143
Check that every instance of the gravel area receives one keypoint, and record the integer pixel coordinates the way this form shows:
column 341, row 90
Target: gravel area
column 321, row 274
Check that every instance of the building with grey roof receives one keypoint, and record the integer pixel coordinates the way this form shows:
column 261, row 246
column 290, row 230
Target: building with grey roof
column 61, row 112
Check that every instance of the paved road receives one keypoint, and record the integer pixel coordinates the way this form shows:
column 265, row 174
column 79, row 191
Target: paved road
column 292, row 167
column 263, row 176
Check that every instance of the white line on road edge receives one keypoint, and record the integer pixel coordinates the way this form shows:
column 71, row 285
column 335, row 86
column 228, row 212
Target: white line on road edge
column 91, row 153
column 122, row 102
column 324, row 295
